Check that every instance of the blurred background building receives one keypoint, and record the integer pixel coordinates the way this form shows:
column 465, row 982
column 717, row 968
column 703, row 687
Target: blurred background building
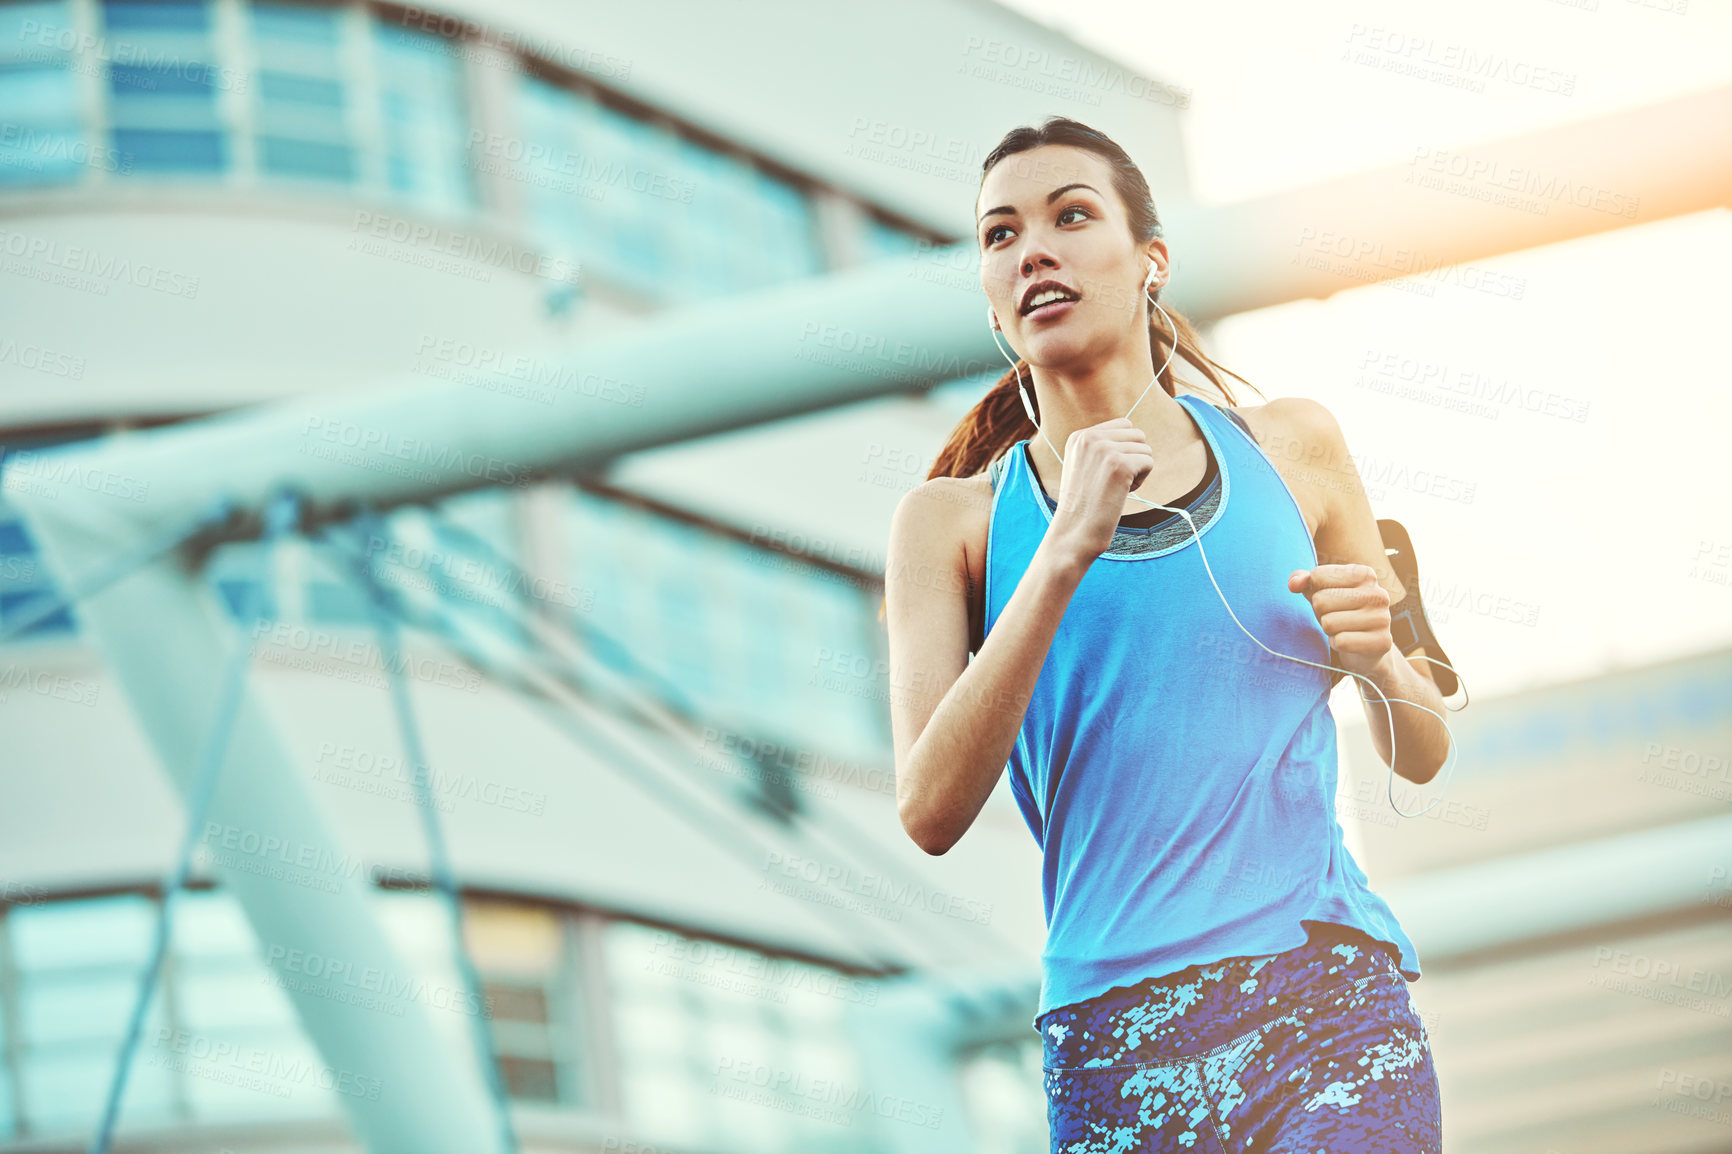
column 697, row 921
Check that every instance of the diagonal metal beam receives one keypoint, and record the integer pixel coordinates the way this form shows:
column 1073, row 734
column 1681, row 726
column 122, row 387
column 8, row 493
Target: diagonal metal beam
column 307, row 897
column 1448, row 207
column 804, row 347
column 885, row 328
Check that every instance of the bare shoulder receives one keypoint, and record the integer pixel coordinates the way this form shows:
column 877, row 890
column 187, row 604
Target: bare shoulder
column 945, row 516
column 1302, row 439
column 935, row 570
column 1296, row 422
column 946, row 501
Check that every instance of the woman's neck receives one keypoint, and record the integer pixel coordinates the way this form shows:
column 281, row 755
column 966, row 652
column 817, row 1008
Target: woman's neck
column 1156, row 414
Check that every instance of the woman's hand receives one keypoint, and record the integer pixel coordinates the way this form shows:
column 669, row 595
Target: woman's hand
column 1353, row 609
column 1102, row 464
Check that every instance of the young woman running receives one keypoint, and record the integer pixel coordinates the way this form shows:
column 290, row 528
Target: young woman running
column 1217, row 975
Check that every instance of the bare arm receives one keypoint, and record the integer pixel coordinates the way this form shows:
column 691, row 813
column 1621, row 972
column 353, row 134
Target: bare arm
column 1348, row 535
column 954, row 721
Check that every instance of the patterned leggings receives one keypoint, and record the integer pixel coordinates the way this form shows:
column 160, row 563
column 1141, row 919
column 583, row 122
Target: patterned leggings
column 1317, row 1050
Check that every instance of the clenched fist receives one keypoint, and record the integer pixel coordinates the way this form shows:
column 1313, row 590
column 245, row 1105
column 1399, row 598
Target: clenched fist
column 1353, row 609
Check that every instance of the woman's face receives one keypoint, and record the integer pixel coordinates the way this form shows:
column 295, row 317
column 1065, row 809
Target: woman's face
column 1050, row 214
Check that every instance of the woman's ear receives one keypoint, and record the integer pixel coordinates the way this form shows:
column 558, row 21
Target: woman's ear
column 1156, row 252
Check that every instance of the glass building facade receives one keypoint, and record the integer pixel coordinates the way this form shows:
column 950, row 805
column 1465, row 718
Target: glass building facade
column 238, row 93
column 346, row 103
column 343, row 100
column 222, row 1044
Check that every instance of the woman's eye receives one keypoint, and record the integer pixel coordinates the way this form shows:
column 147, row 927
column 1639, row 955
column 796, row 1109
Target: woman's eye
column 992, row 233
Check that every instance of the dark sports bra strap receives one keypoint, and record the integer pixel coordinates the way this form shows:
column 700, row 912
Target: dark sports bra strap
column 1237, row 419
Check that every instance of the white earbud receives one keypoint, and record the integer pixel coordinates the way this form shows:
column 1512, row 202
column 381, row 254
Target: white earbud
column 1027, row 406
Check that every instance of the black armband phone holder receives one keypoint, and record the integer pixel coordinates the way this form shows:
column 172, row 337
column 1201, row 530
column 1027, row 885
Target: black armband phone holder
column 1408, row 622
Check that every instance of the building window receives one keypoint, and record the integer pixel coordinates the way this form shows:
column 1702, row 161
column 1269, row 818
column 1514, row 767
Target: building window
column 730, row 631
column 423, row 118
column 40, row 104
column 72, row 970
column 526, row 956
column 882, row 240
column 664, row 215
column 25, row 579
column 222, row 1042
column 24, row 583
column 286, row 94
column 301, row 95
column 162, row 87
column 727, row 1048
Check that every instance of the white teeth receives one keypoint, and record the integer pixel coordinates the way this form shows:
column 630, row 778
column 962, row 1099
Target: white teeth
column 1048, row 297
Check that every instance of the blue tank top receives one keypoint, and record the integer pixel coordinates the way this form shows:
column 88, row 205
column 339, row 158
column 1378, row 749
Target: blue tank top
column 1179, row 780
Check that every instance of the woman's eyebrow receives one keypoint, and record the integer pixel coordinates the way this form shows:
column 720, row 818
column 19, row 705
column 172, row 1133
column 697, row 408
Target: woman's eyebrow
column 1050, row 197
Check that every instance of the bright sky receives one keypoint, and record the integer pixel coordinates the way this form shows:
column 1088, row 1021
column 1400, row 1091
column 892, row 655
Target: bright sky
column 1617, row 530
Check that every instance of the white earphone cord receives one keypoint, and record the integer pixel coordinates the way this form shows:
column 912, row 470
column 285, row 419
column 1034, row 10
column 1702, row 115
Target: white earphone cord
column 1198, row 537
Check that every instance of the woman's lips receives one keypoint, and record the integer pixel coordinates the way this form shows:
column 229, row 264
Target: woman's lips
column 1048, row 311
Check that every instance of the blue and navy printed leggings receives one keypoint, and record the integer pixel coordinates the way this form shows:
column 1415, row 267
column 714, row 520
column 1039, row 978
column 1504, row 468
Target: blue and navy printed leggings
column 1317, row 1050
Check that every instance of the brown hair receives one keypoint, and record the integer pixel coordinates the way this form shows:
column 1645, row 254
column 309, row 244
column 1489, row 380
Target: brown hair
column 997, row 421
